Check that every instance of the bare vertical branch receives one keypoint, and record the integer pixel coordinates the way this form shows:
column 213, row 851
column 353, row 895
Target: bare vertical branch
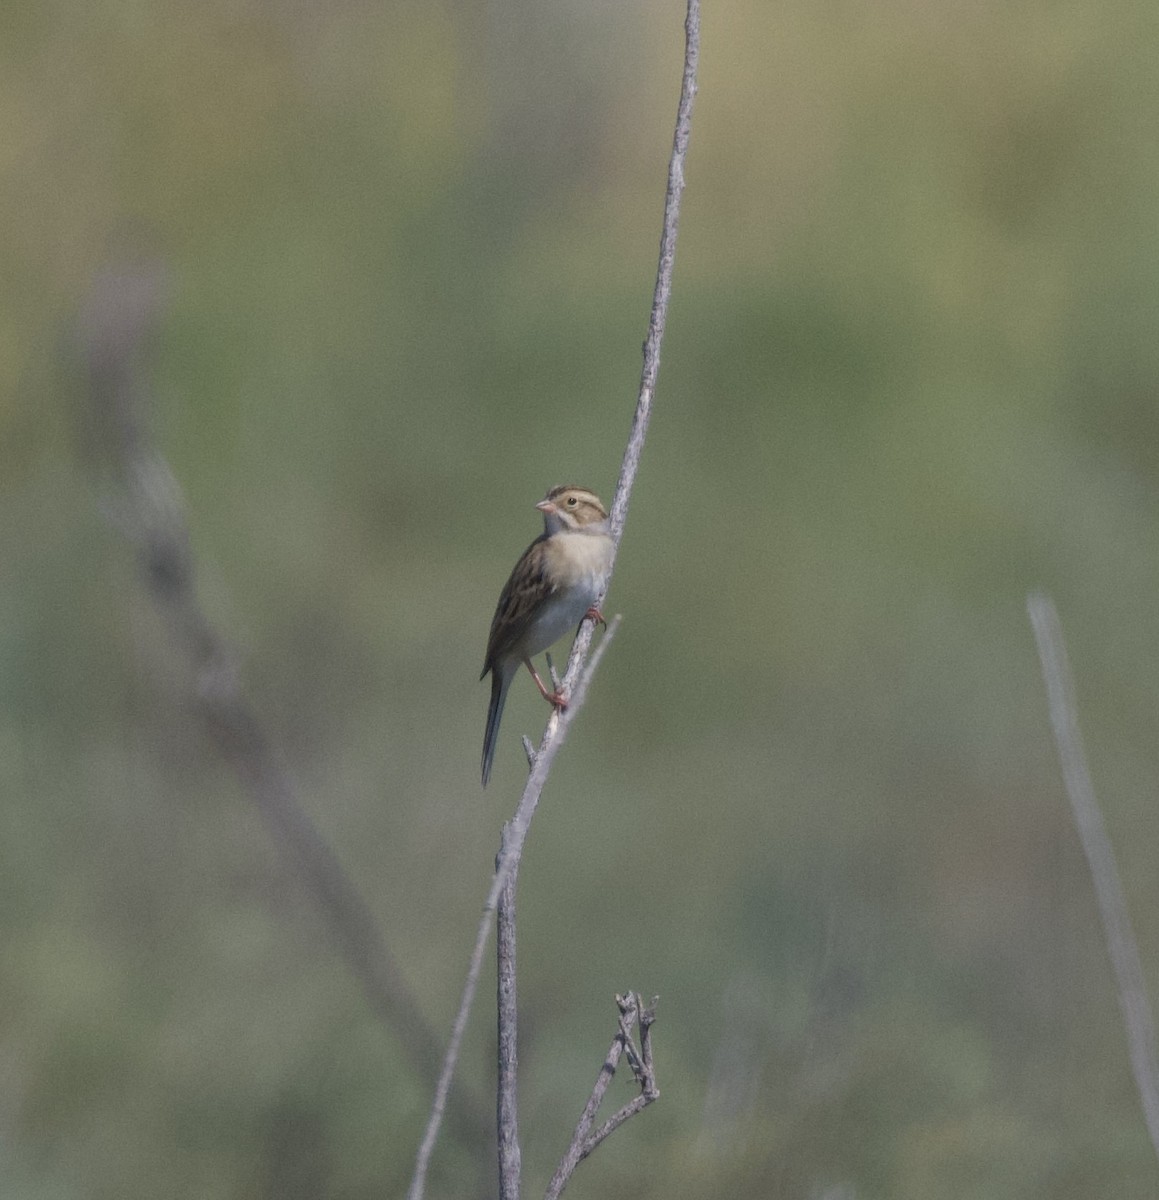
column 509, row 862
column 662, row 292
column 507, row 1106
column 1088, row 819
column 577, row 676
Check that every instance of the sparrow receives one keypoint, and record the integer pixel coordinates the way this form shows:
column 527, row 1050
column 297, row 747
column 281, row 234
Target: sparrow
column 552, row 589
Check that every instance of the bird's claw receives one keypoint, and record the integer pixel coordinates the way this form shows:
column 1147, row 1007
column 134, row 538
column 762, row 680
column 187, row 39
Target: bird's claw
column 594, row 614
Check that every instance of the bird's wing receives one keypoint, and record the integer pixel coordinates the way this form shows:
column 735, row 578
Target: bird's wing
column 526, row 590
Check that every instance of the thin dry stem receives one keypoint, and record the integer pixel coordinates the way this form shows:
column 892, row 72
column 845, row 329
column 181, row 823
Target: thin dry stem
column 575, row 677
column 1120, row 937
column 517, row 831
column 507, row 1106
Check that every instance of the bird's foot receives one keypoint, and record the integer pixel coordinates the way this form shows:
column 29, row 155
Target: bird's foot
column 555, row 698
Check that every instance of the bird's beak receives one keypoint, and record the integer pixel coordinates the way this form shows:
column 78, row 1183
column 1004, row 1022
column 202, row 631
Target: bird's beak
column 546, row 506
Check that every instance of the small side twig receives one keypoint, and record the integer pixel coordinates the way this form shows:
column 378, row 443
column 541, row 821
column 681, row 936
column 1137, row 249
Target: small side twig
column 529, row 750
column 584, row 1141
column 1112, row 899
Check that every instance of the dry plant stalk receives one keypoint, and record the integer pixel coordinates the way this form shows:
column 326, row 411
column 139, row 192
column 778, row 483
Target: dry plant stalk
column 579, row 670
column 506, row 1103
column 1122, row 947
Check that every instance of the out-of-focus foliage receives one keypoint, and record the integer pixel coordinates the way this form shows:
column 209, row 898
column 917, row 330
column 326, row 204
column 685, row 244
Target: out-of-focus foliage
column 911, row 372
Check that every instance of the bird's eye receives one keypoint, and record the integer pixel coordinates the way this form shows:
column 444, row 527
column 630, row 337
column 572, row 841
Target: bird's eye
column 571, row 502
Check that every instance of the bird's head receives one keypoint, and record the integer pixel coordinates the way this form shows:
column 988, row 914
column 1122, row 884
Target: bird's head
column 572, row 508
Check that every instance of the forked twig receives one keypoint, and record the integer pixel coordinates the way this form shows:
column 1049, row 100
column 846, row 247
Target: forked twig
column 1120, row 937
column 584, row 1141
column 577, row 675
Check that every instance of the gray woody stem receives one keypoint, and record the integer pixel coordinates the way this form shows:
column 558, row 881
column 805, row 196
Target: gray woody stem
column 507, row 1109
column 558, row 725
column 1120, row 938
column 575, row 678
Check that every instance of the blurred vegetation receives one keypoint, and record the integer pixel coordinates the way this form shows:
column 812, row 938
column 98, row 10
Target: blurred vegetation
column 911, row 372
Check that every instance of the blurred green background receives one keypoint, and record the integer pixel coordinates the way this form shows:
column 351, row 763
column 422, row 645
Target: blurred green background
column 911, row 372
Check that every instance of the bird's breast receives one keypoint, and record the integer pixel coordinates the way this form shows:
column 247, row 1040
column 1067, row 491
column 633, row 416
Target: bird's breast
column 578, row 564
column 580, row 559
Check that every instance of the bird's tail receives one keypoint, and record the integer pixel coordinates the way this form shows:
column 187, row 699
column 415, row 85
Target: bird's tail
column 500, row 681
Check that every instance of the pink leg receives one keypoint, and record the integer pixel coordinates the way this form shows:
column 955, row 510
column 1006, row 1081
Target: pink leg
column 594, row 614
column 551, row 697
